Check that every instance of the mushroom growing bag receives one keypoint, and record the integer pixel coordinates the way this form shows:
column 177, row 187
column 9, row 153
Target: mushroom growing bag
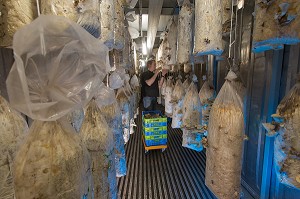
column 14, row 15
column 208, row 27
column 276, row 23
column 191, row 109
column 185, row 20
column 177, row 100
column 287, row 142
column 168, row 97
column 99, row 141
column 225, row 141
column 13, row 129
column 206, row 95
column 110, row 109
column 58, row 66
column 107, row 10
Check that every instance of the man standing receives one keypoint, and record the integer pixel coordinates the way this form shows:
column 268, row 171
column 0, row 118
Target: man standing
column 150, row 85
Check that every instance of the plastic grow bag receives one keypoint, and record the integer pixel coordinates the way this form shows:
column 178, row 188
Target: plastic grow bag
column 276, row 23
column 111, row 111
column 177, row 100
column 192, row 113
column 119, row 28
column 172, row 38
column 185, row 21
column 208, row 27
column 13, row 129
column 287, row 147
column 107, row 10
column 99, row 141
column 225, row 141
column 192, row 139
column 14, row 15
column 168, row 97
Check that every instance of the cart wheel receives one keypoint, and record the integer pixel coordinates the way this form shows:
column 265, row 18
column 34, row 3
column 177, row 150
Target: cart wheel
column 162, row 150
column 146, row 151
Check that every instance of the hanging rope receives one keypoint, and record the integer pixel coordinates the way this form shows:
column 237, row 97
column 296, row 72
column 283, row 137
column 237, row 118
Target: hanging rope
column 230, row 37
column 38, row 7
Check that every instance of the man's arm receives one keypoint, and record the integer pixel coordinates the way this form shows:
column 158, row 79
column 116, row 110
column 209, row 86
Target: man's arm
column 150, row 81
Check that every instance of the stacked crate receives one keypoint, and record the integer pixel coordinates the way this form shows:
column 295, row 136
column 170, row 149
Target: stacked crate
column 154, row 129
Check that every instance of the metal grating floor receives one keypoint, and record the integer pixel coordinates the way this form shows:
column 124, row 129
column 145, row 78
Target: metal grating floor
column 177, row 172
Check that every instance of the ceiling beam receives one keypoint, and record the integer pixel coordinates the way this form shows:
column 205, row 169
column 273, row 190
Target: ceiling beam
column 155, row 8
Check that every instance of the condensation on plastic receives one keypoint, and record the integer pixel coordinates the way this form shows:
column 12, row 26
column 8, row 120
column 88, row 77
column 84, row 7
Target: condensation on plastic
column 192, row 111
column 99, row 141
column 58, row 66
column 13, row 129
column 192, row 140
column 107, row 10
column 225, row 140
column 52, row 162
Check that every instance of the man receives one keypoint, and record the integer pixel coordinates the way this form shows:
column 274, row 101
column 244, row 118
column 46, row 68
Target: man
column 150, row 85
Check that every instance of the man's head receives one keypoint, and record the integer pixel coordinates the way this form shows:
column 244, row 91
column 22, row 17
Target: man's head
column 151, row 65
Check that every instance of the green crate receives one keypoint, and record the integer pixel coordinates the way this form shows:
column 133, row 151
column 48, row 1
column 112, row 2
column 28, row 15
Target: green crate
column 155, row 129
column 155, row 120
column 154, row 137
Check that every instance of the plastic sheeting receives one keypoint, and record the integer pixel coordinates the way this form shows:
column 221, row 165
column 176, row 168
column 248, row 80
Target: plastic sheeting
column 276, row 23
column 14, row 15
column 13, row 129
column 185, row 21
column 225, row 141
column 57, row 68
column 99, row 141
column 208, row 27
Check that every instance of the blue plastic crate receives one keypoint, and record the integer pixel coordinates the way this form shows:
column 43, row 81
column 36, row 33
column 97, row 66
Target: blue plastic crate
column 155, row 133
column 156, row 142
column 154, row 124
